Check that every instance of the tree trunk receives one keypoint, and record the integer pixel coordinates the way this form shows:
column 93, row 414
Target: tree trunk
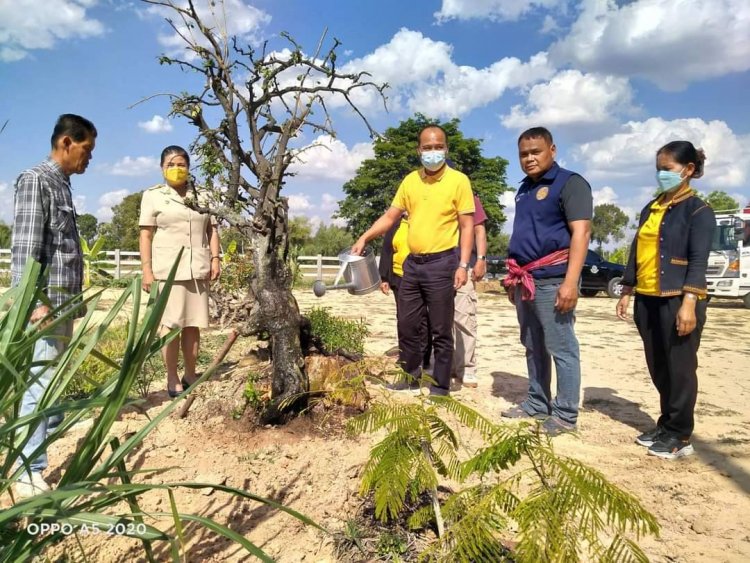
column 280, row 316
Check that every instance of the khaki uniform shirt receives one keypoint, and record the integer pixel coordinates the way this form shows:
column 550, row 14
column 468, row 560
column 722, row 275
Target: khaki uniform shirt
column 177, row 226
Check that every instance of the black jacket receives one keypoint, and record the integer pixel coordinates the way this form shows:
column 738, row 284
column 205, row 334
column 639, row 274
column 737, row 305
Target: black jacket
column 685, row 236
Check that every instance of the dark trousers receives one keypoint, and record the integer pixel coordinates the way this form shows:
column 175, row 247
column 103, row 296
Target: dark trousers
column 424, row 327
column 428, row 284
column 672, row 359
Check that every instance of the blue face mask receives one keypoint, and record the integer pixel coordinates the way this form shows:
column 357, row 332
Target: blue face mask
column 669, row 180
column 432, row 160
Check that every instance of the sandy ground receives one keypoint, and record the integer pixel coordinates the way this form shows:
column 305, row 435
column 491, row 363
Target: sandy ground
column 701, row 502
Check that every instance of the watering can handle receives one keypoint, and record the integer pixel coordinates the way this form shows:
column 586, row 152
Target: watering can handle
column 341, row 273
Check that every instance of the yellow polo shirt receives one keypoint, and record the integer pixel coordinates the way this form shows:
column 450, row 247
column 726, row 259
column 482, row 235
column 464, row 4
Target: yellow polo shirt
column 400, row 247
column 434, row 204
column 647, row 251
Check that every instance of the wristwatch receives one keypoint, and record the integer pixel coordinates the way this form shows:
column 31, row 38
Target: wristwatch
column 463, row 265
column 481, row 257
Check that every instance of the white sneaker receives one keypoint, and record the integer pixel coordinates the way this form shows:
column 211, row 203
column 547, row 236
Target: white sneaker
column 27, row 487
column 470, row 380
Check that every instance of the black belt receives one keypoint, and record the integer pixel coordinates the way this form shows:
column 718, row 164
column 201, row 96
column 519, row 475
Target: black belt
column 424, row 258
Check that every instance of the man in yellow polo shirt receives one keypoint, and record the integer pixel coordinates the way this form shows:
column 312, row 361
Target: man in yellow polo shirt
column 440, row 205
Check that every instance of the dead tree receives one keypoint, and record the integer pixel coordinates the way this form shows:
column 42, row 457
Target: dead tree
column 252, row 105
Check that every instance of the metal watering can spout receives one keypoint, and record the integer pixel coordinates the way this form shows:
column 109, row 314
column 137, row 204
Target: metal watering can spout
column 359, row 272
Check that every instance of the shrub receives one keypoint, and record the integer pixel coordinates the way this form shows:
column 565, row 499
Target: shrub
column 252, row 394
column 93, row 372
column 236, row 270
column 337, row 333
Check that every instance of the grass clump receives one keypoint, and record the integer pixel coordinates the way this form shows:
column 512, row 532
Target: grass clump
column 337, row 333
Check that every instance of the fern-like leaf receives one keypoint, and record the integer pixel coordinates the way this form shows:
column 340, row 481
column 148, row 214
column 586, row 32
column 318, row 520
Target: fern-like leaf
column 469, row 417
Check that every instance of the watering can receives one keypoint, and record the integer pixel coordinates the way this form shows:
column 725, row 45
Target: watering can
column 360, row 273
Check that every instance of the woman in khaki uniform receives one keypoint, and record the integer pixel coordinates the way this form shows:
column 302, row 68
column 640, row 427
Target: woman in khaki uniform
column 168, row 225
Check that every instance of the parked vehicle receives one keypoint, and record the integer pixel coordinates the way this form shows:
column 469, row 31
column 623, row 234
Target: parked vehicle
column 728, row 272
column 599, row 274
column 496, row 268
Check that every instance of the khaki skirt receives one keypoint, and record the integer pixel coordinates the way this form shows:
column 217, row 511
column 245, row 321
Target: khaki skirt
column 187, row 304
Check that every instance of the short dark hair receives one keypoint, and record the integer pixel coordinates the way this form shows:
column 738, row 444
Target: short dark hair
column 433, row 126
column 535, row 133
column 684, row 152
column 174, row 149
column 74, row 126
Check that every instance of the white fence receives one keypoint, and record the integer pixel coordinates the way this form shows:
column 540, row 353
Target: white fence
column 318, row 267
column 120, row 263
column 117, row 263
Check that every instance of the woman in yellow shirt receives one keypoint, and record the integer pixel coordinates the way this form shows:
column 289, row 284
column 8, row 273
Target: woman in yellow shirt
column 667, row 271
column 168, row 225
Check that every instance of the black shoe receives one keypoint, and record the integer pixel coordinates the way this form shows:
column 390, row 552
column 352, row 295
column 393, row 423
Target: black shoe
column 519, row 412
column 403, row 385
column 647, row 439
column 554, row 426
column 186, row 383
column 174, row 393
column 671, row 447
column 439, row 392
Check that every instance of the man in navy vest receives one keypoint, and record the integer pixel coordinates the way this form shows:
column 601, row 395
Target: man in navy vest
column 551, row 234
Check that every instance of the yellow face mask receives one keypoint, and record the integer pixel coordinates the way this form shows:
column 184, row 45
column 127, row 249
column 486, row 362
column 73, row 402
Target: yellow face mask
column 176, row 175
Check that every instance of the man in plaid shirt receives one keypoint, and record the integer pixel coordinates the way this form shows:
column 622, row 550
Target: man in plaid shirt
column 44, row 228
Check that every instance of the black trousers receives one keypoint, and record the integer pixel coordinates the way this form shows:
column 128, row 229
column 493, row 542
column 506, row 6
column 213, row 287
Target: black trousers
column 424, row 328
column 672, row 359
column 428, row 284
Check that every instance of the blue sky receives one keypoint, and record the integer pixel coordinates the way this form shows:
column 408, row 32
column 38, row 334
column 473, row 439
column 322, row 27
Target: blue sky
column 612, row 80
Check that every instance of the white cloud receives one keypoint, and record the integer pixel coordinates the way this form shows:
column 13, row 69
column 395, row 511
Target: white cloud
column 496, row 10
column 236, row 19
column 508, row 199
column 741, row 198
column 6, row 211
column 423, row 77
column 320, row 211
column 670, row 42
column 26, row 25
column 79, row 202
column 299, row 204
column 549, row 25
column 604, row 195
column 156, row 124
column 629, row 155
column 573, row 99
column 329, row 202
column 138, row 166
column 408, row 57
column 462, row 89
column 107, row 201
column 327, row 158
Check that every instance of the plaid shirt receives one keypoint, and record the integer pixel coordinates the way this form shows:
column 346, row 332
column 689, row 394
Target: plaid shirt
column 44, row 228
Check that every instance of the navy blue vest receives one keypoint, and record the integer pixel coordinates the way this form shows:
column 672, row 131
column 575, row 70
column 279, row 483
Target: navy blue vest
column 540, row 226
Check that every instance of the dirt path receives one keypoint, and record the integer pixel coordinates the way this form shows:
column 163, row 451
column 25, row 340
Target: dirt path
column 702, row 502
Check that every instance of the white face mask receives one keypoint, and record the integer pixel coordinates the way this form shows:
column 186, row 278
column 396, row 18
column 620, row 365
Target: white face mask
column 432, row 160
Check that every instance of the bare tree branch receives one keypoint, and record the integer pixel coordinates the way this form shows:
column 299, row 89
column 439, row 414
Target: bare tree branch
column 253, row 104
